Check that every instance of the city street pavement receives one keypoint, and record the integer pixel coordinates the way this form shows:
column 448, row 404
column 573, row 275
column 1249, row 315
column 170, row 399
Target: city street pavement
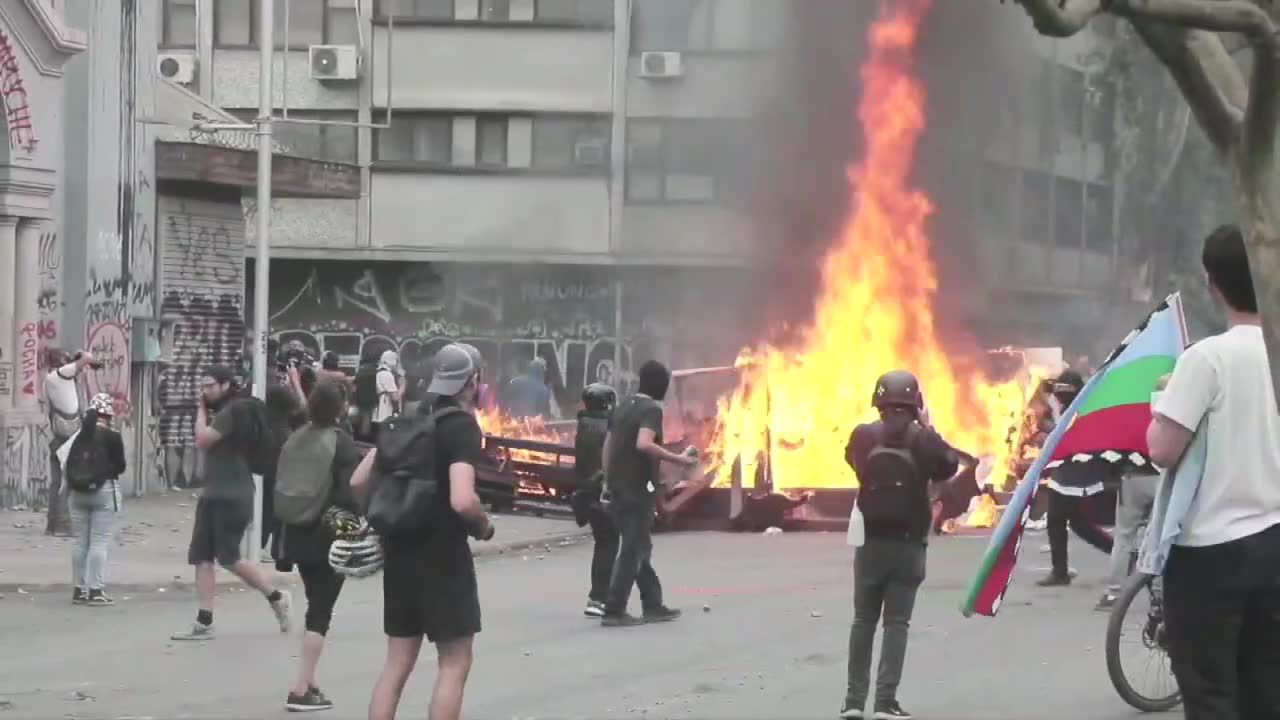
column 764, row 636
column 150, row 548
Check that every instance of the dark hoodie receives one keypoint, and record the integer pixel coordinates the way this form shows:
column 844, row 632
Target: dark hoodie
column 588, row 446
column 527, row 395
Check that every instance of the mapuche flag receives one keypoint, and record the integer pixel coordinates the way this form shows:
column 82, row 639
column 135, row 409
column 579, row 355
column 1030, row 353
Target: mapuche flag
column 1106, row 423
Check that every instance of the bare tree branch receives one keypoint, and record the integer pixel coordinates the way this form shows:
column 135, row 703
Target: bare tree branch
column 1208, row 77
column 1062, row 18
column 1239, row 16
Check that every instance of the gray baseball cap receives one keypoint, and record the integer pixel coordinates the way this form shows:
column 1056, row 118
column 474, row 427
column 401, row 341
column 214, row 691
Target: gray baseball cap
column 476, row 357
column 452, row 367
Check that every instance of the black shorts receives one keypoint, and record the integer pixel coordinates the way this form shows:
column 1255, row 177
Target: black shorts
column 219, row 528
column 429, row 588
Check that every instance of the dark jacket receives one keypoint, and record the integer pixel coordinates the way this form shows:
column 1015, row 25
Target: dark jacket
column 588, row 446
column 935, row 460
column 309, row 544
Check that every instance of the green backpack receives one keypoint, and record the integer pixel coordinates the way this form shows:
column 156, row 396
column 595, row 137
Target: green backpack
column 304, row 475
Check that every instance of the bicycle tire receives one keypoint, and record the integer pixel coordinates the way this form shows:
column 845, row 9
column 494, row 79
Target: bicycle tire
column 1136, row 584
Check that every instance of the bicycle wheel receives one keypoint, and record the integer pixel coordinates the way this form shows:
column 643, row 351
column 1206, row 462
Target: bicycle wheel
column 1137, row 621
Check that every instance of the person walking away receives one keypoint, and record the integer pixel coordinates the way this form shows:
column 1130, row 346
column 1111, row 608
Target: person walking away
column 429, row 578
column 390, row 390
column 1137, row 495
column 1222, row 576
column 1070, row 484
column 284, row 404
column 225, row 508
column 598, row 401
column 896, row 460
column 366, row 396
column 63, row 398
column 94, row 463
column 632, row 452
column 316, row 464
column 527, row 395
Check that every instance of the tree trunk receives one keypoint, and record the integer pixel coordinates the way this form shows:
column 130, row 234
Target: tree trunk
column 1261, row 223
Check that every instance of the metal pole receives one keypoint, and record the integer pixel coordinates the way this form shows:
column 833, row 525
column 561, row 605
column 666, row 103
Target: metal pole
column 617, row 335
column 262, row 263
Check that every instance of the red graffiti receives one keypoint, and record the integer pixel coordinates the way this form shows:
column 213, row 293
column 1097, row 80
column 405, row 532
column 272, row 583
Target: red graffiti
column 109, row 344
column 29, row 357
column 13, row 94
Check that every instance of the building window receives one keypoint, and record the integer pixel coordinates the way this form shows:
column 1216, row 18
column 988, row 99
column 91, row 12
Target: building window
column 707, row 25
column 311, row 22
column 178, row 29
column 1068, row 213
column 705, row 160
column 1070, row 107
column 564, row 143
column 1099, row 111
column 330, row 143
column 1035, row 208
column 491, row 141
column 1097, row 218
column 999, row 202
column 440, row 10
column 495, row 10
column 597, row 13
column 416, row 138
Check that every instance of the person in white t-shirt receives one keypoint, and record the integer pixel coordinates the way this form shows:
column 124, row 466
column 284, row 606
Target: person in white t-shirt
column 1222, row 580
column 63, row 398
column 390, row 391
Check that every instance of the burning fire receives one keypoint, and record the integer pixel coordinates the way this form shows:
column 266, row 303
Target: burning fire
column 873, row 313
column 493, row 422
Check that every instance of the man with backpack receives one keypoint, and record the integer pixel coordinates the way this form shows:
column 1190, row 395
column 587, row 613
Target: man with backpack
column 424, row 505
column 62, row 395
column 236, row 443
column 895, row 460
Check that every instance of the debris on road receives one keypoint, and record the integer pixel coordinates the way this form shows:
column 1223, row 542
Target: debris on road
column 706, row 608
column 773, row 531
column 815, row 614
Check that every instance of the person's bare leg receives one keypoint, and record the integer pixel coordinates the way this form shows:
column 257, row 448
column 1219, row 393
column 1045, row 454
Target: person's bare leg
column 312, row 647
column 252, row 576
column 451, row 679
column 402, row 655
column 205, row 585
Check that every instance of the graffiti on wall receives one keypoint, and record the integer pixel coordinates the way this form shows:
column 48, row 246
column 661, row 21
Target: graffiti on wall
column 24, row 468
column 563, row 315
column 142, row 248
column 110, row 347
column 31, row 337
column 13, row 95
column 50, row 265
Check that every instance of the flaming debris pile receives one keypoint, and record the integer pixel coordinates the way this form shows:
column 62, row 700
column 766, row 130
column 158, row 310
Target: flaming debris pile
column 874, row 311
column 494, row 423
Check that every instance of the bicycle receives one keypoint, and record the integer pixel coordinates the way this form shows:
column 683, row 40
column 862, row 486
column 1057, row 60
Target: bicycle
column 1150, row 634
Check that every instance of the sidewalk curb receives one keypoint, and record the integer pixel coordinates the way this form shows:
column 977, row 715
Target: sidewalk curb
column 226, row 581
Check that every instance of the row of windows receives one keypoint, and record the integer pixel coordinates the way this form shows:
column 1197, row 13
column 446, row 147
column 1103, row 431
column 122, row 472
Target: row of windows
column 1043, row 209
column 680, row 25
column 554, row 143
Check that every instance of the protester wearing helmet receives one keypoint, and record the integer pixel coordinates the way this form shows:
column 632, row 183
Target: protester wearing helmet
column 598, row 401
column 895, row 459
column 94, row 460
column 1069, row 484
column 320, row 458
column 429, row 581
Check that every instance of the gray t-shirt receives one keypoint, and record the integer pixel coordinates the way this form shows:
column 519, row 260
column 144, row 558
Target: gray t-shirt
column 226, row 469
column 633, row 475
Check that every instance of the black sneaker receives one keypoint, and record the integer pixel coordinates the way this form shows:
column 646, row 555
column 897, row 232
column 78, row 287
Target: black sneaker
column 1055, row 580
column 620, row 620
column 310, row 701
column 661, row 614
column 99, row 598
column 853, row 711
column 890, row 711
column 79, row 596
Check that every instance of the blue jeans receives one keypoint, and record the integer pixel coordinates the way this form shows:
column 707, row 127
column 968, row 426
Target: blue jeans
column 93, row 521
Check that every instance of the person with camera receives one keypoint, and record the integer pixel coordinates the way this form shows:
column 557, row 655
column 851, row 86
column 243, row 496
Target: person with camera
column 225, row 508
column 429, row 578
column 896, row 460
column 62, row 394
column 631, row 456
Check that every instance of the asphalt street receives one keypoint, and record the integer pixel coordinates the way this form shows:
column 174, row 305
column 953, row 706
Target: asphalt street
column 764, row 636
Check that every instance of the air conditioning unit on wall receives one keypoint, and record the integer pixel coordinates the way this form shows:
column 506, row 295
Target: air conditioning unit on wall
column 334, row 62
column 589, row 153
column 661, row 65
column 177, row 67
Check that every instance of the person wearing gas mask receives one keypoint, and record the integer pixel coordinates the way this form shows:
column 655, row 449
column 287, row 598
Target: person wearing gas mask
column 598, row 401
column 897, row 460
column 1069, row 485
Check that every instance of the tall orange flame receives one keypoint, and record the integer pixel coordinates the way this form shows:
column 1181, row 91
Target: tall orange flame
column 874, row 311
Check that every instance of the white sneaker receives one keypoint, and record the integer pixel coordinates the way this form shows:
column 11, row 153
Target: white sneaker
column 594, row 609
column 197, row 632
column 281, row 609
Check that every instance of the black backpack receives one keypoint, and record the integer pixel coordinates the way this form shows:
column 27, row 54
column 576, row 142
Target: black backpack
column 367, row 388
column 892, row 493
column 403, row 500
column 259, row 443
column 86, row 461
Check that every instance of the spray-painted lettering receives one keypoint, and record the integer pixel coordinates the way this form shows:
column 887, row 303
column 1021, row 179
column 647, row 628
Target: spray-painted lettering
column 109, row 344
column 13, row 95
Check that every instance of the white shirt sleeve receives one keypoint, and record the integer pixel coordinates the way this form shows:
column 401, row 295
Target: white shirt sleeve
column 386, row 382
column 1193, row 389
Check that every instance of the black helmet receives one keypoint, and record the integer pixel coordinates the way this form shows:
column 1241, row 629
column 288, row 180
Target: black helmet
column 598, row 396
column 897, row 388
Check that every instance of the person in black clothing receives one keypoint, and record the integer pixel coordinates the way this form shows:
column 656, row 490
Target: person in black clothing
column 285, row 413
column 429, row 583
column 94, row 510
column 896, row 459
column 307, row 546
column 1069, row 485
column 632, row 451
column 598, row 400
